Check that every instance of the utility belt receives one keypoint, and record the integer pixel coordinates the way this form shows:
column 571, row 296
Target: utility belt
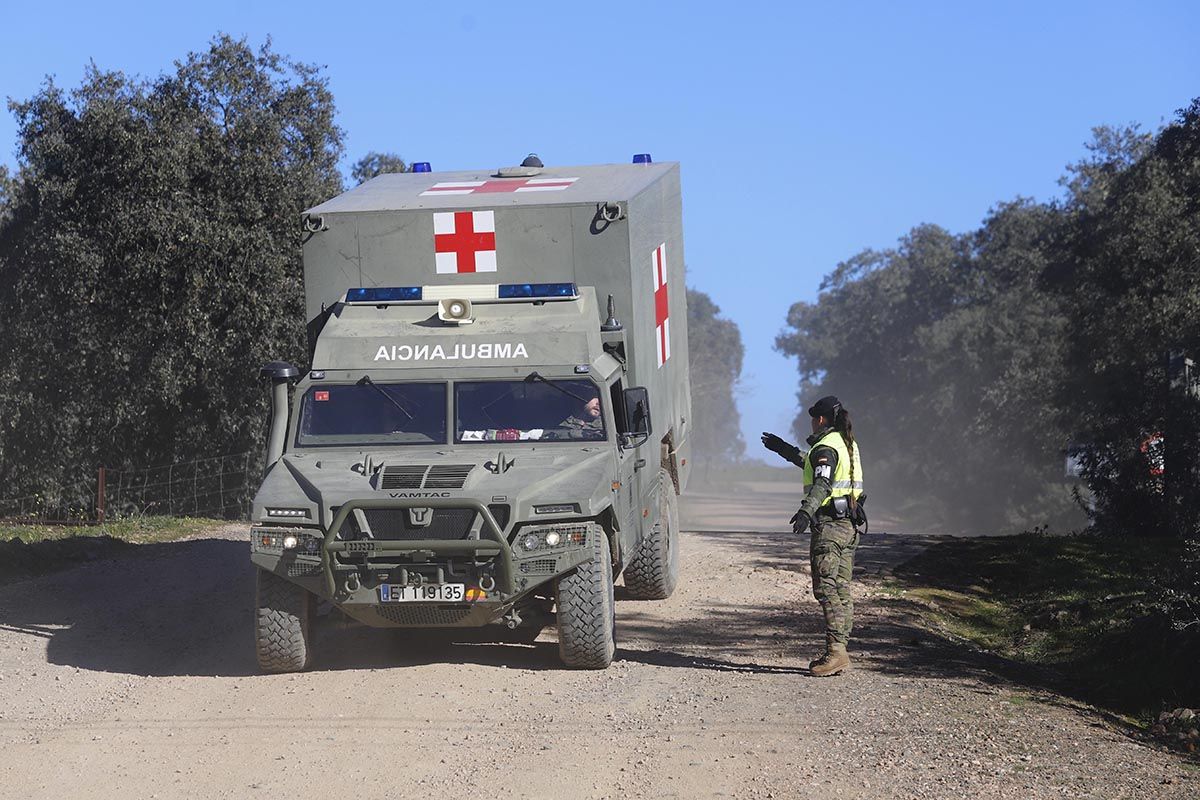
column 839, row 508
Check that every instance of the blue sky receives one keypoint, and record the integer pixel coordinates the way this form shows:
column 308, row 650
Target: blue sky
column 806, row 131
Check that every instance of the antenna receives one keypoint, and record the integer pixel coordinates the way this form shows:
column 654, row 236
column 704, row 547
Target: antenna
column 612, row 323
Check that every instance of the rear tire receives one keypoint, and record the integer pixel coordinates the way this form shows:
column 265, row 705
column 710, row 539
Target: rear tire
column 586, row 610
column 653, row 571
column 282, row 624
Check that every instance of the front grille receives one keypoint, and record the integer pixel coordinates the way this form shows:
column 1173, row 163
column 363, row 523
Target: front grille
column 396, row 524
column 501, row 512
column 540, row 566
column 448, row 476
column 405, row 476
column 421, row 615
column 417, row 476
column 301, row 569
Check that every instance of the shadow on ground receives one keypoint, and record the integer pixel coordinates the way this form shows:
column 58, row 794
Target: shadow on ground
column 185, row 608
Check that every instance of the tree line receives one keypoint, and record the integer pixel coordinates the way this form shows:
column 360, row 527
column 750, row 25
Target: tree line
column 150, row 263
column 975, row 361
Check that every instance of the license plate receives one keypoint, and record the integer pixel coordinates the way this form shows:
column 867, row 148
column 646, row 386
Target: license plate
column 434, row 592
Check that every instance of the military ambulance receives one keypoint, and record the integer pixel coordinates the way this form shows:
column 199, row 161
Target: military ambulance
column 495, row 424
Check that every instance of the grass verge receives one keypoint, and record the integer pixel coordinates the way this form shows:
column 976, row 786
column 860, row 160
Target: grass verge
column 1082, row 606
column 30, row 550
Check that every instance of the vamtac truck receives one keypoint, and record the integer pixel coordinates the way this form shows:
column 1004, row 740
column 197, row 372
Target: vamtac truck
column 495, row 423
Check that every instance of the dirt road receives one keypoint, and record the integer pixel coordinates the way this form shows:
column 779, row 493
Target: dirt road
column 135, row 678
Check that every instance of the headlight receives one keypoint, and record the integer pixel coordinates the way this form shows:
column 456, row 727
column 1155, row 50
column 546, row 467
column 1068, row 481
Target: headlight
column 276, row 539
column 558, row 536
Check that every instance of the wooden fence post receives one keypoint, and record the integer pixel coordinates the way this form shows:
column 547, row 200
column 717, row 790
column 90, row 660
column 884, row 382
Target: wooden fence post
column 100, row 496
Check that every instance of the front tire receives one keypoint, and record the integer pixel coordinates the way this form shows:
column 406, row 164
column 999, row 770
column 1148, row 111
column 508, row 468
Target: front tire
column 586, row 610
column 653, row 571
column 282, row 621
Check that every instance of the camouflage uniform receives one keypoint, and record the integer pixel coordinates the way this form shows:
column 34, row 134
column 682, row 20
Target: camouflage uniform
column 583, row 429
column 831, row 549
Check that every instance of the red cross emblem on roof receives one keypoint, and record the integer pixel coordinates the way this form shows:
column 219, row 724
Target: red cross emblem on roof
column 464, row 241
column 500, row 186
column 662, row 309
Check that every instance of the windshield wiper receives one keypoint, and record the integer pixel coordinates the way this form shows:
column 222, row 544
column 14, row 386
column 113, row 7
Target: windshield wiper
column 367, row 380
column 535, row 377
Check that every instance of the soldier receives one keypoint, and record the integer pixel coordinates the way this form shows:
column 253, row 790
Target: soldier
column 833, row 481
column 588, row 424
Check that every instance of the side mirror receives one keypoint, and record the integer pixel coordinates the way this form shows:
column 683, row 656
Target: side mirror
column 637, row 414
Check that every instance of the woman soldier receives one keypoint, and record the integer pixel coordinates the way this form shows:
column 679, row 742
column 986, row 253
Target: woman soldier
column 833, row 481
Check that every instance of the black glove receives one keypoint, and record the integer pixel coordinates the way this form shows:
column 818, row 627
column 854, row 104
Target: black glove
column 800, row 522
column 779, row 446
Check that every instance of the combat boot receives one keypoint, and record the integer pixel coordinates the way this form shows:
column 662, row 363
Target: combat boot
column 824, row 653
column 834, row 661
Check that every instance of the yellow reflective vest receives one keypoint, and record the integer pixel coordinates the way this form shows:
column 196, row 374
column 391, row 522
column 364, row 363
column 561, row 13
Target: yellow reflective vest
column 842, row 485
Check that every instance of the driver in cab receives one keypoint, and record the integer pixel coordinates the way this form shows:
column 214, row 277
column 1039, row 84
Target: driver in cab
column 586, row 423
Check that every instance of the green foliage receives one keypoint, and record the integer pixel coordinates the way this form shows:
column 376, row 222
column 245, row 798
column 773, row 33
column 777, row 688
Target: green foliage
column 943, row 350
column 715, row 360
column 1082, row 604
column 373, row 164
column 6, row 190
column 150, row 261
column 1132, row 277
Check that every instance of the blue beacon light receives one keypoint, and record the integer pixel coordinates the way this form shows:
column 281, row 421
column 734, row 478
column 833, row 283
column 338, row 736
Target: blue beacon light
column 642, row 158
column 537, row 290
column 383, row 294
column 421, row 166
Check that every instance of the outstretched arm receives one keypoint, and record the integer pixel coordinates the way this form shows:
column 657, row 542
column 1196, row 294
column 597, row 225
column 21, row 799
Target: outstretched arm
column 786, row 449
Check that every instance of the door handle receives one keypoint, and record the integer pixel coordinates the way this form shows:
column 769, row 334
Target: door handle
column 641, row 462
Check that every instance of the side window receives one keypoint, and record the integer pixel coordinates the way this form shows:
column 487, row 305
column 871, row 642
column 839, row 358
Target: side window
column 618, row 404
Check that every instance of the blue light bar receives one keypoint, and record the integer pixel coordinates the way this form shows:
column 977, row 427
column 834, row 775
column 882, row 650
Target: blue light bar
column 421, row 166
column 511, row 290
column 642, row 158
column 383, row 294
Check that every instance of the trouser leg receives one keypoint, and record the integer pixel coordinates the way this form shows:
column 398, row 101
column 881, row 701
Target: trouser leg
column 831, row 555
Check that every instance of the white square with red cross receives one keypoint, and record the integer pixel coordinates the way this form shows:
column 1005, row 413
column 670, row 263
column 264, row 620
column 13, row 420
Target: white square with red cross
column 464, row 242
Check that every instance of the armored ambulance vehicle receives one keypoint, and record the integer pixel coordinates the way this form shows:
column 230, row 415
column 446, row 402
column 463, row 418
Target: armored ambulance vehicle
column 495, row 423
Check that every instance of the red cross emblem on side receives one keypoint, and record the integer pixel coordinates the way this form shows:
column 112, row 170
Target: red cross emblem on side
column 662, row 322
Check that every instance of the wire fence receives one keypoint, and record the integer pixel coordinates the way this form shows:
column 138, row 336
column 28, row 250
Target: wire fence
column 217, row 486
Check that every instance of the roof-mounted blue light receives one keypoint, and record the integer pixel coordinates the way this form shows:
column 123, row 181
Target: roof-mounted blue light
column 520, row 290
column 383, row 294
column 642, row 158
column 421, row 166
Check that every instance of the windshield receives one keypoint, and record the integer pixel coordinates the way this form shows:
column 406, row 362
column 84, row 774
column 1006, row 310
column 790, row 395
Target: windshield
column 532, row 409
column 367, row 413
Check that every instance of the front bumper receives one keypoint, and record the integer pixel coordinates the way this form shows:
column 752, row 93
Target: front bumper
column 349, row 572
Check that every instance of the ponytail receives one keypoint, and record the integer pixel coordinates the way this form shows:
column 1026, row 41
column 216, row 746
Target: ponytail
column 843, row 425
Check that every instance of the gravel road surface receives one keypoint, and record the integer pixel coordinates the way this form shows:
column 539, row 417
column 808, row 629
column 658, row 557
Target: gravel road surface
column 135, row 678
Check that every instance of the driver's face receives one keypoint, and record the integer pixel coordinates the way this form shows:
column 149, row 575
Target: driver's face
column 592, row 408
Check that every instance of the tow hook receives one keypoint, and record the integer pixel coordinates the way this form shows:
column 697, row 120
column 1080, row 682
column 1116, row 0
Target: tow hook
column 352, row 584
column 512, row 619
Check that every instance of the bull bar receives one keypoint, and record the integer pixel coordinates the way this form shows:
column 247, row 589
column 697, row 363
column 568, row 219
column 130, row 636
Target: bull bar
column 495, row 545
